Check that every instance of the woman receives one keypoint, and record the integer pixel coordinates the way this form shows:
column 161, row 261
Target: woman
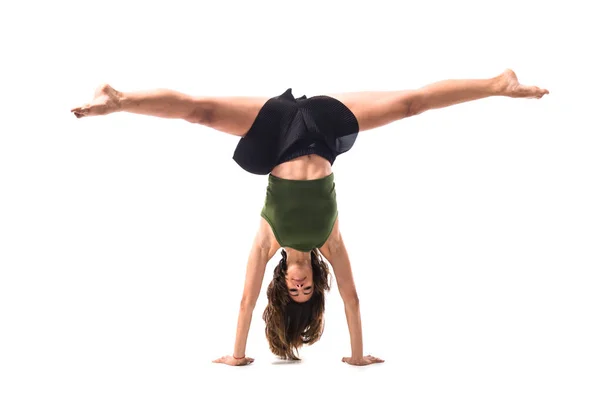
column 296, row 141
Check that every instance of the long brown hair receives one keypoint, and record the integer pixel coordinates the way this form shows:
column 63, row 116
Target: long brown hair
column 290, row 324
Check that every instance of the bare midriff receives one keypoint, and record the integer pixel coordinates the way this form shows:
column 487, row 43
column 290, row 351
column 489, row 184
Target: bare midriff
column 303, row 168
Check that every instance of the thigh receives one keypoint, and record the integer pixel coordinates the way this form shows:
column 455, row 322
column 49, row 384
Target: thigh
column 374, row 109
column 232, row 115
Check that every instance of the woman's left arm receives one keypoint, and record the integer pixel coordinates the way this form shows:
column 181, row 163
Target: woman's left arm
column 335, row 252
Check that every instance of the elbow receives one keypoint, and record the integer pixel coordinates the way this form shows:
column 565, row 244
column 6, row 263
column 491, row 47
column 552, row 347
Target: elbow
column 334, row 244
column 351, row 301
column 247, row 303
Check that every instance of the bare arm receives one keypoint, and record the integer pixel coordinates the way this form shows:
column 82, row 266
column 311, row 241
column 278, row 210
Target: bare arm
column 337, row 255
column 340, row 263
column 255, row 270
column 260, row 254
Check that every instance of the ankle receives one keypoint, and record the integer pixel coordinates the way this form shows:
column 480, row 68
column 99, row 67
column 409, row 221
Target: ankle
column 497, row 85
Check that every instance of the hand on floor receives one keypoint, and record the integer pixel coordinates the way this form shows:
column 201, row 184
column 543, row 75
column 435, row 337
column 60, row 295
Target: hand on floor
column 231, row 361
column 365, row 360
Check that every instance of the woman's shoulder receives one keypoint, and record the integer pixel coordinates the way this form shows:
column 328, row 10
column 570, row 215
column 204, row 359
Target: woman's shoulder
column 266, row 238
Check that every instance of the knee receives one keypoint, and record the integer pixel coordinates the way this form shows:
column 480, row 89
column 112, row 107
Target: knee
column 201, row 112
column 416, row 104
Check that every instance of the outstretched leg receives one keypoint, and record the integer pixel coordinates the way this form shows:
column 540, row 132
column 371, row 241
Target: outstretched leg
column 232, row 115
column 377, row 108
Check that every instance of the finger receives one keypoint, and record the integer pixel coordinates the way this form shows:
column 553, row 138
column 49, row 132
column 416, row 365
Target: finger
column 80, row 107
column 81, row 112
column 220, row 360
column 345, row 359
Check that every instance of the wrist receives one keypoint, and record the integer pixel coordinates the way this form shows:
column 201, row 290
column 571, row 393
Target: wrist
column 123, row 101
column 239, row 357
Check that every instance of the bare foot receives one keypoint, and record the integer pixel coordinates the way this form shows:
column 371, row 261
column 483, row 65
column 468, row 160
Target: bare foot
column 106, row 100
column 508, row 86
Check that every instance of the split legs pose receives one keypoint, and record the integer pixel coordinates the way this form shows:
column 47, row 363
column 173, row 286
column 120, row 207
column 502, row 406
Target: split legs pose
column 235, row 115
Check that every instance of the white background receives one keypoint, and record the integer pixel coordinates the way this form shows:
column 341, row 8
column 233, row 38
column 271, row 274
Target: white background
column 473, row 231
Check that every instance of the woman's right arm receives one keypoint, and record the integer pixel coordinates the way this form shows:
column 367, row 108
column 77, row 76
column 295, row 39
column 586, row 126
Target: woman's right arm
column 262, row 251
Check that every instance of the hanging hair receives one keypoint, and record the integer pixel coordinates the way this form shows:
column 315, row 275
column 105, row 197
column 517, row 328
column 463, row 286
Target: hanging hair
column 290, row 324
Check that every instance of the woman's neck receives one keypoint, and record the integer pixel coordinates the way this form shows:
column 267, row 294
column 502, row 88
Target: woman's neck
column 297, row 257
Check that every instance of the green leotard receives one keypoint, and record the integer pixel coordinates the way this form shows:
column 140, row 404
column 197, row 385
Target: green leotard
column 301, row 212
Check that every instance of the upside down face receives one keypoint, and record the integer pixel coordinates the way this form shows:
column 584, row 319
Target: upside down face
column 299, row 280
